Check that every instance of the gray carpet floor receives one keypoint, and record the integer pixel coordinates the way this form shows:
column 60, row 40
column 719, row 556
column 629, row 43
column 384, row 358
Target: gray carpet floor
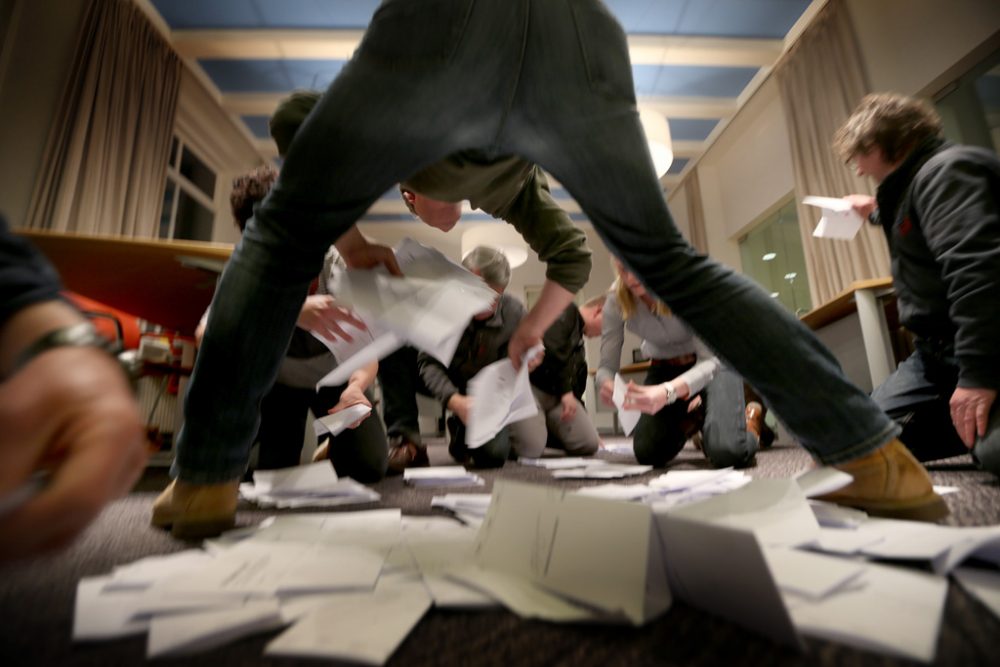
column 37, row 597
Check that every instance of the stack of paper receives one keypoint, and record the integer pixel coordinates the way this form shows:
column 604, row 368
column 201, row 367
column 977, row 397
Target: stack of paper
column 428, row 308
column 563, row 462
column 470, row 508
column 442, row 476
column 607, row 471
column 313, row 485
column 680, row 487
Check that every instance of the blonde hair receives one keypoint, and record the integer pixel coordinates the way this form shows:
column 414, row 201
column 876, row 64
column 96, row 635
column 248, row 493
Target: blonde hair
column 627, row 300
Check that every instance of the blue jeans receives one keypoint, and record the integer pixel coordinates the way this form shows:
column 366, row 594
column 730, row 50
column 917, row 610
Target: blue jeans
column 722, row 421
column 916, row 395
column 549, row 80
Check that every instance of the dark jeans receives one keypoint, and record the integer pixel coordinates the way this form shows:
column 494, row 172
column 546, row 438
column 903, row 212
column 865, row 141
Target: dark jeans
column 916, row 395
column 549, row 80
column 721, row 419
column 491, row 454
column 400, row 380
column 360, row 453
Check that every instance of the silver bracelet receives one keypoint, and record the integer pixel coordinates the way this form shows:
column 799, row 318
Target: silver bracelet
column 78, row 335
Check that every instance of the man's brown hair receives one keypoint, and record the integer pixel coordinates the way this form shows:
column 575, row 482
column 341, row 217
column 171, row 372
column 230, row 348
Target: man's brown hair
column 249, row 189
column 890, row 121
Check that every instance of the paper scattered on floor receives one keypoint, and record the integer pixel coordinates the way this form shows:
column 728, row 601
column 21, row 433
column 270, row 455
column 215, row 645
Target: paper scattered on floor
column 361, row 628
column 351, row 585
column 442, row 476
column 312, row 485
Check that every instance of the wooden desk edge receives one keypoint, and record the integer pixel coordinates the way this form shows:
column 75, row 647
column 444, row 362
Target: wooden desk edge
column 843, row 303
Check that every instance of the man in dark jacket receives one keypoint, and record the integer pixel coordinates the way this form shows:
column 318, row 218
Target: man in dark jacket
column 939, row 204
column 559, row 381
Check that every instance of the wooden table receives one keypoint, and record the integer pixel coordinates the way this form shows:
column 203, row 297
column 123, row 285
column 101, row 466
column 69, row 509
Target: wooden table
column 866, row 297
column 169, row 283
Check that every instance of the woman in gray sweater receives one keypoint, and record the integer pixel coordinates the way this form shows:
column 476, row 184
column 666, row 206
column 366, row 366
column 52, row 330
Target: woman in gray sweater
column 686, row 389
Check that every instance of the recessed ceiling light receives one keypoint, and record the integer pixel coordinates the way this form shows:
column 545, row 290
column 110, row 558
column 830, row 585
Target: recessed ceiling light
column 768, row 256
column 790, row 276
column 774, row 295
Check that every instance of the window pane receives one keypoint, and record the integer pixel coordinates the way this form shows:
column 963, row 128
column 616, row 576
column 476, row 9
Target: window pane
column 168, row 208
column 174, row 144
column 194, row 221
column 772, row 255
column 198, row 173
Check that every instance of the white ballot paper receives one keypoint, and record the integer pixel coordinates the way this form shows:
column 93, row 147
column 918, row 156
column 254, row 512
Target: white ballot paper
column 839, row 220
column 338, row 421
column 984, row 585
column 627, row 418
column 428, row 308
column 360, row 628
column 186, row 634
column 499, row 396
column 442, row 476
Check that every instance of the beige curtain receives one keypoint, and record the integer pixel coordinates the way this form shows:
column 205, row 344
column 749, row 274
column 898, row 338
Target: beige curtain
column 105, row 162
column 821, row 81
column 696, row 212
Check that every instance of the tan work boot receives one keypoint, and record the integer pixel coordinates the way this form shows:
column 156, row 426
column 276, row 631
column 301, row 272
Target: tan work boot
column 889, row 482
column 196, row 511
column 322, row 452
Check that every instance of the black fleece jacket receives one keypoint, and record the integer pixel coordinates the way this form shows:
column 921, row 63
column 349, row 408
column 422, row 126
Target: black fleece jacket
column 940, row 210
column 25, row 276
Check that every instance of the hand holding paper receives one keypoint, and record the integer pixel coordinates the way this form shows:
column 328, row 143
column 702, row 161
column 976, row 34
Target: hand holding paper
column 839, row 221
column 627, row 418
column 499, row 395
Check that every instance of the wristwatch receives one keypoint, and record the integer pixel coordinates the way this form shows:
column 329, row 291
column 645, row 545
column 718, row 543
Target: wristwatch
column 78, row 335
column 671, row 392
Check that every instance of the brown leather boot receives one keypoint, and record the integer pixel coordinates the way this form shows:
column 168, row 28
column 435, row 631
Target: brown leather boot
column 403, row 454
column 196, row 511
column 889, row 482
column 757, row 425
column 755, row 418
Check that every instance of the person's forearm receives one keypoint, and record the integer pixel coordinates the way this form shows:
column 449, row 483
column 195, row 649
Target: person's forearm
column 31, row 323
column 551, row 302
column 350, row 241
column 363, row 377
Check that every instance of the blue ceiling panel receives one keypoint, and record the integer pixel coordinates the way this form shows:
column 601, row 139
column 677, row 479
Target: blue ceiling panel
column 677, row 166
column 276, row 14
column 768, row 19
column 751, row 19
column 258, row 125
column 691, row 80
column 691, row 129
column 270, row 76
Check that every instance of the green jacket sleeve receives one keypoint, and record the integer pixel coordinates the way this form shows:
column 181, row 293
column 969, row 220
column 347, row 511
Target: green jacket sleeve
column 547, row 229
